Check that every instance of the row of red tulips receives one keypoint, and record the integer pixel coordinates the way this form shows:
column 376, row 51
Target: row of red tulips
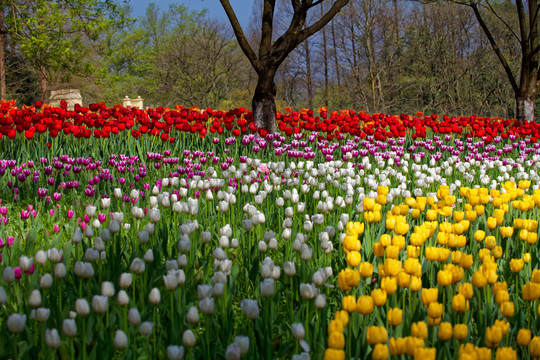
column 101, row 122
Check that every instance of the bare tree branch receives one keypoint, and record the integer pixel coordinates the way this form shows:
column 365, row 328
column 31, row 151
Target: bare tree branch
column 242, row 40
column 502, row 20
column 495, row 47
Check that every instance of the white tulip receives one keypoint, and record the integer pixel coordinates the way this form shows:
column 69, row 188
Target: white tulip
column 120, row 340
column 52, row 339
column 154, row 297
column 188, row 338
column 134, row 317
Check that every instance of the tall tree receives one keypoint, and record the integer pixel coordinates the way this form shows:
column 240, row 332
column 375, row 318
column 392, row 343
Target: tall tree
column 525, row 84
column 272, row 53
column 54, row 35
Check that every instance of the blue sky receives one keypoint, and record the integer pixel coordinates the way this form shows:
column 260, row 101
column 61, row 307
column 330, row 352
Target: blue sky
column 241, row 7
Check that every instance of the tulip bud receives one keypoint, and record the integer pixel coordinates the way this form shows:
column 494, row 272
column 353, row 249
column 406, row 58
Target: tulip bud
column 8, row 275
column 188, row 338
column 320, row 301
column 125, row 280
column 45, row 281
column 69, row 327
column 52, row 339
column 146, row 328
column 41, row 257
column 35, row 299
column 298, row 331
column 149, row 256
column 289, row 268
column 308, row 291
column 114, row 227
column 243, row 344
column 81, row 307
column 218, row 289
column 250, row 308
column 77, row 236
column 143, row 236
column 137, row 266
column 120, row 340
column 16, row 323
column 3, row 296
column 134, row 317
column 267, row 287
column 155, row 296
column 175, row 352
column 122, row 298
column 25, row 263
column 232, row 352
column 193, row 315
column 100, row 304
column 207, row 305
column 107, row 289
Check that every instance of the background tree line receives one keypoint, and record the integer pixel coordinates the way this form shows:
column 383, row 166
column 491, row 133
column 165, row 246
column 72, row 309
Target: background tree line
column 389, row 56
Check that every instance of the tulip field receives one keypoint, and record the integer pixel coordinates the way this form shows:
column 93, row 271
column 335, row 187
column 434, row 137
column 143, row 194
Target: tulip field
column 190, row 233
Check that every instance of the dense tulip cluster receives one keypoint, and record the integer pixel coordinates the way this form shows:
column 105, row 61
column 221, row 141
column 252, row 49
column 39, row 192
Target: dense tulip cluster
column 188, row 233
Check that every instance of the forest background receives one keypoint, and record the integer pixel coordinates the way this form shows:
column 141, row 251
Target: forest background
column 389, row 56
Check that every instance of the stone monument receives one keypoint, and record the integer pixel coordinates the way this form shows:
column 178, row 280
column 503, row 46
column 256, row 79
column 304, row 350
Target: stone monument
column 138, row 102
column 72, row 97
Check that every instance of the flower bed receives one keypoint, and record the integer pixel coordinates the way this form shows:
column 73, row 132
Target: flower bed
column 171, row 233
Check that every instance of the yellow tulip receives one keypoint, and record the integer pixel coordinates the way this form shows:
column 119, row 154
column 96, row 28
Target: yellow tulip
column 379, row 297
column 461, row 331
column 376, row 335
column 459, row 303
column 392, row 252
column 491, row 223
column 534, row 347
column 335, row 325
column 505, row 353
column 444, row 278
column 523, row 337
column 429, row 296
column 531, row 291
column 353, row 259
column 412, row 344
column 397, row 346
column 445, row 331
column 342, row 316
column 334, row 354
column 435, row 310
column 394, row 316
column 507, row 231
column 479, row 280
column 349, row 303
column 516, row 265
column 366, row 270
column 507, row 309
column 421, row 353
column 364, row 305
column 416, row 283
column 380, row 352
column 466, row 289
column 336, row 340
column 493, row 336
column 392, row 267
column 419, row 329
column 479, row 235
column 501, row 296
column 368, row 203
column 389, row 284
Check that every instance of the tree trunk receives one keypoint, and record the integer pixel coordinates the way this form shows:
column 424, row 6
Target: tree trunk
column 524, row 108
column 264, row 102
